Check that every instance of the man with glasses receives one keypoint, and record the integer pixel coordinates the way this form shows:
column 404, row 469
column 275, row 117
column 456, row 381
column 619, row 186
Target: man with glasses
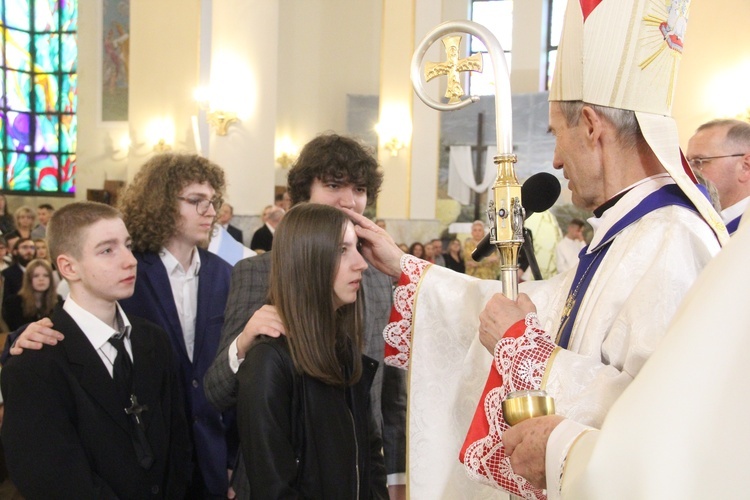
column 170, row 209
column 720, row 150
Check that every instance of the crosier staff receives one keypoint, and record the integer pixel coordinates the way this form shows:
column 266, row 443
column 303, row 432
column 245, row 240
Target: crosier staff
column 505, row 211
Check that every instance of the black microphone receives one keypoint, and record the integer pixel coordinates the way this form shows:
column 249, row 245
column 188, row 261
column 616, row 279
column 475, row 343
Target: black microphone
column 538, row 193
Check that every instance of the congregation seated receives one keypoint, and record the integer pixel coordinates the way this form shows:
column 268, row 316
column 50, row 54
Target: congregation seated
column 35, row 300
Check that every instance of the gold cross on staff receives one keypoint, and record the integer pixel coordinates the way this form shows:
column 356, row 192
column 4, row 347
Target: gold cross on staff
column 452, row 67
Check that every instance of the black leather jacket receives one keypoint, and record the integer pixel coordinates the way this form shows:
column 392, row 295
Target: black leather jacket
column 302, row 438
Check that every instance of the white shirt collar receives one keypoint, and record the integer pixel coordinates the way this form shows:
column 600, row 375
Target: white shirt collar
column 97, row 331
column 736, row 210
column 173, row 265
column 270, row 228
column 635, row 194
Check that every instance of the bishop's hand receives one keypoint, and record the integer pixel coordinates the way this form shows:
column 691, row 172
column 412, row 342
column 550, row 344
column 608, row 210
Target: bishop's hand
column 377, row 245
column 499, row 315
column 526, row 446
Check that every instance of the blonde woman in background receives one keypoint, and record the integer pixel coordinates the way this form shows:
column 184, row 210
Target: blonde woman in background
column 489, row 267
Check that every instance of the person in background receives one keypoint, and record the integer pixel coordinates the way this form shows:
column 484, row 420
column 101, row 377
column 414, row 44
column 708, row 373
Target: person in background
column 437, row 251
column 303, row 405
column 35, row 300
column 43, row 214
column 489, row 267
column 417, row 250
column 24, row 220
column 24, row 253
column 720, row 150
column 453, row 258
column 263, row 238
column 570, row 246
column 7, row 222
column 226, row 212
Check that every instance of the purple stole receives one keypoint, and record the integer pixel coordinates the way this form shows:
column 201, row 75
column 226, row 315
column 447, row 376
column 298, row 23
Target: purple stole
column 588, row 263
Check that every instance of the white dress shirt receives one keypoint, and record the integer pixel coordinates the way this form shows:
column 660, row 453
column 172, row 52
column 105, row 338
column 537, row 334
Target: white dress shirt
column 184, row 284
column 98, row 332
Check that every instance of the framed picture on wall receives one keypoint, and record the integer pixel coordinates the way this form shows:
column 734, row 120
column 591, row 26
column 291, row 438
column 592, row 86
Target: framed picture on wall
column 115, row 60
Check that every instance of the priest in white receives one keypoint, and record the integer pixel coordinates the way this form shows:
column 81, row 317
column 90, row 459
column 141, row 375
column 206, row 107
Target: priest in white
column 598, row 323
column 680, row 429
column 720, row 150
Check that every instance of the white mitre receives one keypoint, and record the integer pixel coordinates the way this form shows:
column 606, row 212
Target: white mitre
column 625, row 54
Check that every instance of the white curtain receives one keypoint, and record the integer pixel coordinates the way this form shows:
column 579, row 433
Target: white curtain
column 461, row 174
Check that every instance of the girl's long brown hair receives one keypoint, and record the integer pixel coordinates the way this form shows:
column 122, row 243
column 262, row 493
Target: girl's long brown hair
column 305, row 258
column 49, row 297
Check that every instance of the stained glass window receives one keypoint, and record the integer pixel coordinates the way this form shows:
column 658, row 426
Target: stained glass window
column 38, row 85
column 556, row 11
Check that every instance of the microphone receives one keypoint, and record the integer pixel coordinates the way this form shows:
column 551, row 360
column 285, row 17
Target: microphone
column 538, row 193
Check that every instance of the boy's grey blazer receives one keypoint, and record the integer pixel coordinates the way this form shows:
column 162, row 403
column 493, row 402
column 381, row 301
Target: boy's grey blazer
column 248, row 292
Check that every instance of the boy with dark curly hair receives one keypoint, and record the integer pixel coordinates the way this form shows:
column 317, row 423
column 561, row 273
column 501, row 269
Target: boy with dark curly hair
column 338, row 171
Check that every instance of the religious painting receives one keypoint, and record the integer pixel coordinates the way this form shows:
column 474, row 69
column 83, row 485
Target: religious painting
column 115, row 59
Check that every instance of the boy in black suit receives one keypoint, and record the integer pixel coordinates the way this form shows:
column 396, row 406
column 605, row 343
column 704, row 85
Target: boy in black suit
column 100, row 415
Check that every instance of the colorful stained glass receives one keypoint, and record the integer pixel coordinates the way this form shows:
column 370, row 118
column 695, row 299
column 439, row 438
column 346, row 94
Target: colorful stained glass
column 46, row 93
column 68, row 173
column 45, row 15
column 18, row 90
column 18, row 171
column 69, row 49
column 47, row 48
column 38, row 125
column 45, row 172
column 69, row 15
column 17, row 50
column 17, row 14
column 19, row 131
column 46, row 133
column 69, row 95
column 68, row 133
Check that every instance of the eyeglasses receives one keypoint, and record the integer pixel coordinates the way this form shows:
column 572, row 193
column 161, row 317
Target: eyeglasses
column 697, row 163
column 201, row 204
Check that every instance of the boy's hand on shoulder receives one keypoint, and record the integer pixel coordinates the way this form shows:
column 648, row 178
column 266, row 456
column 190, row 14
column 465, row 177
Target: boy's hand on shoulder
column 35, row 336
column 265, row 321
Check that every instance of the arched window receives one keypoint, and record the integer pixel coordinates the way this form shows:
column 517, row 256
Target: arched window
column 38, row 85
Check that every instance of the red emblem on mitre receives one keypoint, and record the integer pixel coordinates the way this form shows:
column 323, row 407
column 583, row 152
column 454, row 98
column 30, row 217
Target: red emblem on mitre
column 587, row 6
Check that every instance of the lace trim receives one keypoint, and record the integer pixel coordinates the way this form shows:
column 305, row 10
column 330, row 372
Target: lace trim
column 521, row 362
column 397, row 333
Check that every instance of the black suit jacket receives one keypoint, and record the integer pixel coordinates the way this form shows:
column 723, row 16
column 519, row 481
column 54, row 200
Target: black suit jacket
column 235, row 233
column 65, row 432
column 262, row 239
column 13, row 277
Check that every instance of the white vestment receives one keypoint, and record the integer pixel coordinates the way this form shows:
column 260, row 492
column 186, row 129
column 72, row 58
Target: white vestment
column 566, row 253
column 622, row 318
column 680, row 429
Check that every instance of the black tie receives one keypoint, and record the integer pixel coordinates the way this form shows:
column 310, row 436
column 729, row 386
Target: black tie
column 122, row 370
column 122, row 373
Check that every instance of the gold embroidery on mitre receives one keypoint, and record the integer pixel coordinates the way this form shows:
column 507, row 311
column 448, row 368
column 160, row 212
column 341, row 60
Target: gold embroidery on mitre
column 665, row 28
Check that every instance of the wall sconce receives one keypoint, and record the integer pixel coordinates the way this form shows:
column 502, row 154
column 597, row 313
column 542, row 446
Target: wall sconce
column 218, row 120
column 394, row 128
column 394, row 146
column 162, row 146
column 286, row 152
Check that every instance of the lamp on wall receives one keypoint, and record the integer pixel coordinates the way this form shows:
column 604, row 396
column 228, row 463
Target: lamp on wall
column 218, row 119
column 394, row 128
column 286, row 152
